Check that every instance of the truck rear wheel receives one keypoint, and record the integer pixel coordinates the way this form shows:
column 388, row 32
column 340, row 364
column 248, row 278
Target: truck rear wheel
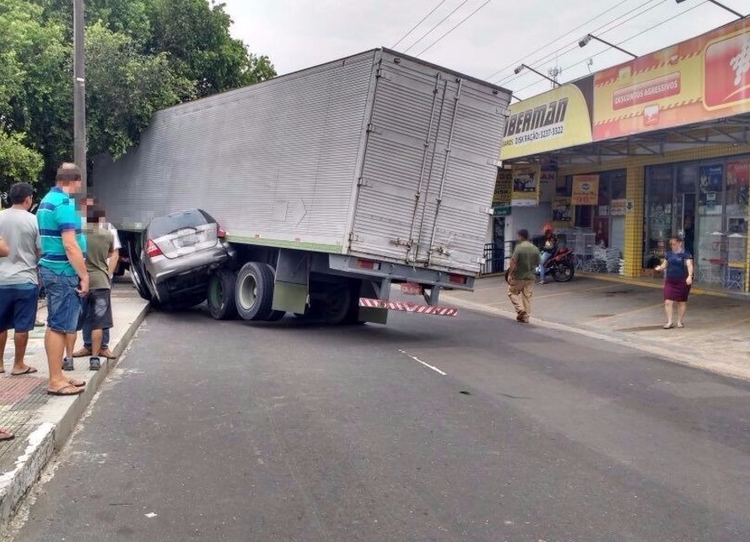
column 221, row 295
column 254, row 291
column 341, row 305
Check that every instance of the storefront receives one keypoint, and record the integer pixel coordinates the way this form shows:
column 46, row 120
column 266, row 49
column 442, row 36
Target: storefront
column 645, row 151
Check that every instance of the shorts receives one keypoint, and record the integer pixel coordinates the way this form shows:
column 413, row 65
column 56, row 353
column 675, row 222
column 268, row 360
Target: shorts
column 18, row 308
column 97, row 310
column 63, row 301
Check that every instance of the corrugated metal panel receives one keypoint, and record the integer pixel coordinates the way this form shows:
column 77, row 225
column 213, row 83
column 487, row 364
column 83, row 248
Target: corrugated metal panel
column 275, row 161
column 415, row 111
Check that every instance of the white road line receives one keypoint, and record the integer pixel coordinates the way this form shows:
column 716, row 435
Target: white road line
column 423, row 363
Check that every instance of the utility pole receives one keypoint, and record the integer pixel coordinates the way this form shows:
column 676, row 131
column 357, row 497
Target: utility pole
column 79, row 94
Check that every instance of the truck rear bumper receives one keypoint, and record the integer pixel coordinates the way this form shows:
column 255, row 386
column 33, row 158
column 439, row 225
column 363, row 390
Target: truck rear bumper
column 396, row 273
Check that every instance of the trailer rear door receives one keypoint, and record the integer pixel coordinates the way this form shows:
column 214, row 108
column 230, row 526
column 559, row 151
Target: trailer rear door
column 429, row 167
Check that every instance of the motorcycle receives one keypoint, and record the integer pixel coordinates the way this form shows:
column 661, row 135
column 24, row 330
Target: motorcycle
column 560, row 266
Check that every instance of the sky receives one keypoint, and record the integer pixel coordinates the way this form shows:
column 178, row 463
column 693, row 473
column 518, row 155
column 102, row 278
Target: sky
column 297, row 34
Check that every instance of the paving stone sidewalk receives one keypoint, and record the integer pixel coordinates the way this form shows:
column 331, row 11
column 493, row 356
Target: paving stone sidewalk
column 716, row 336
column 40, row 422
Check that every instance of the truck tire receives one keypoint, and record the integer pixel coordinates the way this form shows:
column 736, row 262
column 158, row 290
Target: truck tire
column 276, row 316
column 254, row 291
column 221, row 296
column 341, row 305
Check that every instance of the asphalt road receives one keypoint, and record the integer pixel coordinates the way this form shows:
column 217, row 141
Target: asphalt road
column 299, row 432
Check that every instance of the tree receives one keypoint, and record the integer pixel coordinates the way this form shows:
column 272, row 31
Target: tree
column 197, row 38
column 124, row 89
column 141, row 56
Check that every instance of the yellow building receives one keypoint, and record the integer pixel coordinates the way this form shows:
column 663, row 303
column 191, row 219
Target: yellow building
column 649, row 149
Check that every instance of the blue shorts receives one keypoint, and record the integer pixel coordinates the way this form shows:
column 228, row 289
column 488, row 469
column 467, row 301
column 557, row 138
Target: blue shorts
column 18, row 307
column 63, row 302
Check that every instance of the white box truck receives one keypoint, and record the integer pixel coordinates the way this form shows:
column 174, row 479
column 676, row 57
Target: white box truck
column 341, row 179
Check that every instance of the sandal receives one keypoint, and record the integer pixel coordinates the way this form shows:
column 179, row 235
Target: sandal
column 29, row 370
column 680, row 325
column 77, row 383
column 60, row 392
column 668, row 326
column 6, row 435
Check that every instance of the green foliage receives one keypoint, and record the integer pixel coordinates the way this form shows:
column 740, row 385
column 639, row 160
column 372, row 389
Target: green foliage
column 141, row 56
column 17, row 162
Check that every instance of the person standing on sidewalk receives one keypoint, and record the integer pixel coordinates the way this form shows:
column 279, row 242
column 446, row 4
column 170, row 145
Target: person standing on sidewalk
column 525, row 259
column 19, row 285
column 85, row 350
column 677, row 281
column 97, row 306
column 63, row 271
column 549, row 247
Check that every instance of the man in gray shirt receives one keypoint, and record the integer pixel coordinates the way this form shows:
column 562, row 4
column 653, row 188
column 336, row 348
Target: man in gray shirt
column 19, row 283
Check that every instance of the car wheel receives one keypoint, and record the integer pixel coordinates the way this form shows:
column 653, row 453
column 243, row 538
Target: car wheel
column 160, row 293
column 254, row 291
column 136, row 275
column 221, row 295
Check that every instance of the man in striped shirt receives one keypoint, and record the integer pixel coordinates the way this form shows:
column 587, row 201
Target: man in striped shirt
column 63, row 272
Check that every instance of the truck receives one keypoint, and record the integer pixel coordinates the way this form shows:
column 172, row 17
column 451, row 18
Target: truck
column 332, row 184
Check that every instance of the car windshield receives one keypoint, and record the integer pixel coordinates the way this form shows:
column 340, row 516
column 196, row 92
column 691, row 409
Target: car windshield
column 175, row 222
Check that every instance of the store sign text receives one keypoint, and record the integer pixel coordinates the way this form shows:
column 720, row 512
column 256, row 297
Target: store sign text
column 536, row 124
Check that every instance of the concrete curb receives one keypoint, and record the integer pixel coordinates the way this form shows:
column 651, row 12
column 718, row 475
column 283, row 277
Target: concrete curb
column 55, row 422
column 695, row 362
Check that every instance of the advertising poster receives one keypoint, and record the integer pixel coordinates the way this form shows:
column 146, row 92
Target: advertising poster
column 738, row 184
column 562, row 213
column 703, row 78
column 618, row 207
column 548, row 187
column 710, row 185
column 585, row 190
column 526, row 182
column 503, row 193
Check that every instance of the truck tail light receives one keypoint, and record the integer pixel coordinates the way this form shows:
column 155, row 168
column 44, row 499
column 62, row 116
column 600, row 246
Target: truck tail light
column 457, row 279
column 152, row 250
column 366, row 264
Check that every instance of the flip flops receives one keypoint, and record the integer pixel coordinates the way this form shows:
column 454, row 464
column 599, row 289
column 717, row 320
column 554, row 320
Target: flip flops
column 28, row 371
column 60, row 392
column 6, row 435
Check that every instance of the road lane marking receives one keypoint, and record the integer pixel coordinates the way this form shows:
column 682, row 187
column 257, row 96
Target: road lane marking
column 423, row 363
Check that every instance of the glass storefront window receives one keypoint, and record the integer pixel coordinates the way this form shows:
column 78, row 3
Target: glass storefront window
column 706, row 204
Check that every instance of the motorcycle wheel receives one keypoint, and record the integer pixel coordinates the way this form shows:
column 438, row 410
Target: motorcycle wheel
column 563, row 271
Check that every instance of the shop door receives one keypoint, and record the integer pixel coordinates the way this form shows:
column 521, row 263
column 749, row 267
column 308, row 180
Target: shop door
column 498, row 240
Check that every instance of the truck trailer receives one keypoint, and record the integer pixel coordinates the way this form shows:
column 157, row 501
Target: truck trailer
column 332, row 184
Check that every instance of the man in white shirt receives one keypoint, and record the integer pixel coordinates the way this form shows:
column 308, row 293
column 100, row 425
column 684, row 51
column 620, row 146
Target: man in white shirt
column 19, row 282
column 85, row 350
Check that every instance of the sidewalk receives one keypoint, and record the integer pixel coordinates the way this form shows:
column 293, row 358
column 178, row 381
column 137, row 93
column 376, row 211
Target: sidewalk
column 716, row 336
column 42, row 423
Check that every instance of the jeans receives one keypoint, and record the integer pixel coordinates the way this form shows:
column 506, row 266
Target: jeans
column 87, row 336
column 542, row 270
column 63, row 301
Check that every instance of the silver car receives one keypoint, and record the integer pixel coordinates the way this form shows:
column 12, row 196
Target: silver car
column 178, row 252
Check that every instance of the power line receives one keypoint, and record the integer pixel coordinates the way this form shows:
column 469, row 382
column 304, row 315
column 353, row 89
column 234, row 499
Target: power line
column 573, row 46
column 434, row 27
column 452, row 29
column 514, row 64
column 623, row 41
column 419, row 23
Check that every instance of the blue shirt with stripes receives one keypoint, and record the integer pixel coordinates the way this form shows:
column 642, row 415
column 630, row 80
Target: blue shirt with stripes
column 56, row 214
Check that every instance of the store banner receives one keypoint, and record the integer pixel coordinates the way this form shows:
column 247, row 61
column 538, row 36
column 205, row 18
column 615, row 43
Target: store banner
column 553, row 120
column 700, row 79
column 503, row 193
column 526, row 181
column 585, row 190
column 562, row 213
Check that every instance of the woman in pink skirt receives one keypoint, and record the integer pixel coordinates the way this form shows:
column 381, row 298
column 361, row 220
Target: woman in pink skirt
column 677, row 281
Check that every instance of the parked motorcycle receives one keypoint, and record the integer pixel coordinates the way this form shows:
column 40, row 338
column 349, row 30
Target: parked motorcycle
column 561, row 265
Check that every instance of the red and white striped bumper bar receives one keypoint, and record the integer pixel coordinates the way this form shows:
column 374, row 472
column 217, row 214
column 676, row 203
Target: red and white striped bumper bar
column 407, row 307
